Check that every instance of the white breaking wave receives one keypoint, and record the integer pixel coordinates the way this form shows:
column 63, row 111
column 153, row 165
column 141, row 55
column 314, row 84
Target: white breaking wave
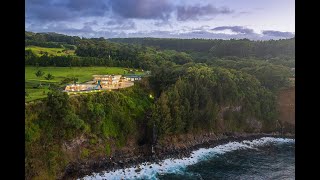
column 177, row 166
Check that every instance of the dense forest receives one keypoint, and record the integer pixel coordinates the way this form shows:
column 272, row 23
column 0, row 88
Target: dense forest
column 197, row 93
column 45, row 39
column 195, row 85
column 220, row 48
column 142, row 55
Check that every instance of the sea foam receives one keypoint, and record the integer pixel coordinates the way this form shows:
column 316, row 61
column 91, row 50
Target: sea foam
column 177, row 166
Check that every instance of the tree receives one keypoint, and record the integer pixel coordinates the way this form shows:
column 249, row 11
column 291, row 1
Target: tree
column 49, row 77
column 39, row 74
column 163, row 117
column 176, row 110
column 74, row 79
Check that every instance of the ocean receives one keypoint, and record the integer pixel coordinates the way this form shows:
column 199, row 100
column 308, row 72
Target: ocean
column 264, row 158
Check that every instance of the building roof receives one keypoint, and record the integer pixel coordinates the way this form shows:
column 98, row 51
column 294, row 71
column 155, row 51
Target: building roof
column 132, row 76
column 106, row 75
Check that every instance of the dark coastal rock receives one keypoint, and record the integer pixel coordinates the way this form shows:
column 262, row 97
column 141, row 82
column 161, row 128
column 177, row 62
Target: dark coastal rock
column 138, row 169
column 80, row 169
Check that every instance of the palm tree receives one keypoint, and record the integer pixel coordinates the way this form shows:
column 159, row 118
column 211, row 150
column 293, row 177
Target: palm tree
column 74, row 79
column 49, row 77
column 39, row 74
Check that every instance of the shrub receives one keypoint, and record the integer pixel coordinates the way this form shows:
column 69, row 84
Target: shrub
column 108, row 150
column 85, row 153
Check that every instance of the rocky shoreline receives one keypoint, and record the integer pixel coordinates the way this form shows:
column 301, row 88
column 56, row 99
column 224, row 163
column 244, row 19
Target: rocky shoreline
column 169, row 149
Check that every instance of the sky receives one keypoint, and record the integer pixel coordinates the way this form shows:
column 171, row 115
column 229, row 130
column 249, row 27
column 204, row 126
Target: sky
column 209, row 19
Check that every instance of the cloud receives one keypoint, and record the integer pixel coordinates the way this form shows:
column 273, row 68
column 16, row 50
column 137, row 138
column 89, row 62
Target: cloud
column 241, row 13
column 162, row 9
column 88, row 7
column 235, row 29
column 156, row 34
column 44, row 13
column 119, row 25
column 203, row 34
column 278, row 33
column 163, row 23
column 244, row 12
column 194, row 12
column 201, row 28
column 209, row 35
column 200, row 32
column 83, row 5
column 110, row 32
column 139, row 18
column 142, row 9
column 62, row 28
column 86, row 31
column 59, row 10
column 70, row 10
column 91, row 23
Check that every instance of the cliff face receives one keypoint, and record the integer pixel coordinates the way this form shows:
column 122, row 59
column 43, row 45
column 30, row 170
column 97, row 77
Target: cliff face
column 138, row 149
column 87, row 152
column 286, row 107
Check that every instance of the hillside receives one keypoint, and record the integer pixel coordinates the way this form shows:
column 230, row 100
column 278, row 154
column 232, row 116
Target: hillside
column 50, row 51
column 189, row 97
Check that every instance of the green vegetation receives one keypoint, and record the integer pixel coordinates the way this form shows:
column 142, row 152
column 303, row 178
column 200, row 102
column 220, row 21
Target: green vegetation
column 196, row 85
column 35, row 94
column 144, row 52
column 62, row 76
column 85, row 153
column 51, row 40
column 273, row 77
column 111, row 117
column 82, row 73
column 39, row 74
column 192, row 103
column 108, row 150
column 49, row 77
column 39, row 51
column 220, row 48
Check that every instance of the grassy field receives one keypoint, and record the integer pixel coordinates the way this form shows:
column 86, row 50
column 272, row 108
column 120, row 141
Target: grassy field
column 82, row 73
column 51, row 51
column 34, row 94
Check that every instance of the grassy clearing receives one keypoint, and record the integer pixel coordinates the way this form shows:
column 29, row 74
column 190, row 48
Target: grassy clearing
column 51, row 51
column 36, row 94
column 82, row 73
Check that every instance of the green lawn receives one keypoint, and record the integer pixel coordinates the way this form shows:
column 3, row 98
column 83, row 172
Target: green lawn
column 34, row 94
column 82, row 73
column 51, row 51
